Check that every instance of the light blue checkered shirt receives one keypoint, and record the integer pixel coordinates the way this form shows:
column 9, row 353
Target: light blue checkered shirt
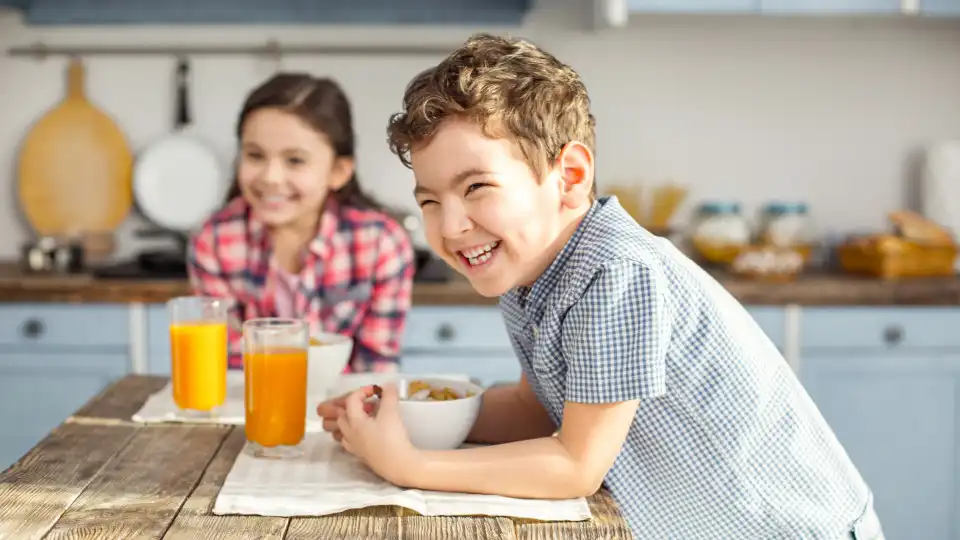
column 726, row 444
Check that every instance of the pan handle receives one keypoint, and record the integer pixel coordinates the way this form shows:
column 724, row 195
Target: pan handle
column 183, row 106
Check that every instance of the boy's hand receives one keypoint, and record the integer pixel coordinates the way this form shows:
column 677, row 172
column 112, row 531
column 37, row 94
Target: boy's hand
column 380, row 441
column 332, row 409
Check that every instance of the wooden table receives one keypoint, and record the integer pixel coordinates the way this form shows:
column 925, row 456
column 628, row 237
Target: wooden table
column 101, row 476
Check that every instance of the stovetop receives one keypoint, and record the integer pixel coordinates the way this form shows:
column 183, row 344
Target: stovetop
column 147, row 265
column 171, row 265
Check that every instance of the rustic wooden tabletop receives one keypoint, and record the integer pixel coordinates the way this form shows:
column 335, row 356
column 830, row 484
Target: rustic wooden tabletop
column 101, row 476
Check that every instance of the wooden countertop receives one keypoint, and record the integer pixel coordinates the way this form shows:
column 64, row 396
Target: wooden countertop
column 99, row 475
column 810, row 290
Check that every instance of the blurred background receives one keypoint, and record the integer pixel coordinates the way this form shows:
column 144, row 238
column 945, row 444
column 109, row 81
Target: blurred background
column 807, row 152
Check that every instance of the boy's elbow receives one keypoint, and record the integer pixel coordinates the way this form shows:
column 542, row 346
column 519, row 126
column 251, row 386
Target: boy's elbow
column 582, row 481
column 588, row 482
column 567, row 479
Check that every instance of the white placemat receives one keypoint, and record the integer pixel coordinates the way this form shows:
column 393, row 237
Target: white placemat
column 160, row 406
column 327, row 480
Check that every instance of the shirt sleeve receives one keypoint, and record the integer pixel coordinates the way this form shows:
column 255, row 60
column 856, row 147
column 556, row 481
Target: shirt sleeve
column 377, row 341
column 208, row 279
column 615, row 337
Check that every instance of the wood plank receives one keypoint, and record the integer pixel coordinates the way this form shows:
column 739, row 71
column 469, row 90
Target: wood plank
column 139, row 492
column 607, row 523
column 459, row 528
column 377, row 523
column 119, row 401
column 36, row 491
column 196, row 520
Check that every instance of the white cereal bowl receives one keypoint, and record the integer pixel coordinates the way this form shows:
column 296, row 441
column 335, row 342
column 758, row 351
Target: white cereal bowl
column 439, row 425
column 325, row 363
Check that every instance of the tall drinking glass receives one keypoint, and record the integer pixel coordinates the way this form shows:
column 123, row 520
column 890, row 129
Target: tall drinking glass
column 275, row 386
column 198, row 354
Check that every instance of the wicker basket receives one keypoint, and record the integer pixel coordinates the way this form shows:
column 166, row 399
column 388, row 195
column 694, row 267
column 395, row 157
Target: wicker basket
column 897, row 258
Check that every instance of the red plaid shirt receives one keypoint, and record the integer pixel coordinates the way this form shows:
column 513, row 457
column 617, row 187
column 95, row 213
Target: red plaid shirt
column 357, row 278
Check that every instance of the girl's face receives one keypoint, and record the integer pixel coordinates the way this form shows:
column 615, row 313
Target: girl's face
column 286, row 168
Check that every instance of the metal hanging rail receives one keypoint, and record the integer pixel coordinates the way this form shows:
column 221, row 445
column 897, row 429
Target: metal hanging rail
column 41, row 50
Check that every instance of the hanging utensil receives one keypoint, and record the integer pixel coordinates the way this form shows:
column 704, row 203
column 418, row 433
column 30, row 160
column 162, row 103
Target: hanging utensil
column 178, row 181
column 75, row 166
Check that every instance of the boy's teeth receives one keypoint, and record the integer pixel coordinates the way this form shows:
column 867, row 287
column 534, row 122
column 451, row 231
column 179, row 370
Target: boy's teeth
column 480, row 254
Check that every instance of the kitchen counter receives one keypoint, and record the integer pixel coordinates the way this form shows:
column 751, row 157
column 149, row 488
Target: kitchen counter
column 809, row 290
column 100, row 475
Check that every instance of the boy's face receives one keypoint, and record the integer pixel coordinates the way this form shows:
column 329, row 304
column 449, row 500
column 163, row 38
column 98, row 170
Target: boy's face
column 486, row 213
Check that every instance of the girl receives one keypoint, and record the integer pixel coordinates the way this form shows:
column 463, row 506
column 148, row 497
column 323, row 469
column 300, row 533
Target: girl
column 297, row 237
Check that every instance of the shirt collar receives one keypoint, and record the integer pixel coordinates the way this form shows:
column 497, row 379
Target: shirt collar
column 320, row 245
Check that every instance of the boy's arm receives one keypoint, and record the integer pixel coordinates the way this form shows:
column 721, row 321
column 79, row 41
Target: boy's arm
column 511, row 413
column 614, row 343
column 570, row 465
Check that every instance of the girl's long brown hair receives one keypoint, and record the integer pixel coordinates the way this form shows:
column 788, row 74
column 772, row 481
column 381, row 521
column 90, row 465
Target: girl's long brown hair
column 323, row 105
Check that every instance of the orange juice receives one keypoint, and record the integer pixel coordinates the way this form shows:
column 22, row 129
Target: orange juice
column 199, row 370
column 275, row 396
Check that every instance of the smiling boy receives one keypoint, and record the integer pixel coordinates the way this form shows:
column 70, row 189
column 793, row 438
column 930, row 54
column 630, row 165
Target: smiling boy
column 662, row 386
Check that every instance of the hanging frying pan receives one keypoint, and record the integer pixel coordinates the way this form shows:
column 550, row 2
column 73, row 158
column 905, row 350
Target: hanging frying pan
column 177, row 180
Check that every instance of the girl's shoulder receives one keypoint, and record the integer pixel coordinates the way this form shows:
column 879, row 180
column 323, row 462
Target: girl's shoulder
column 235, row 210
column 370, row 218
column 226, row 225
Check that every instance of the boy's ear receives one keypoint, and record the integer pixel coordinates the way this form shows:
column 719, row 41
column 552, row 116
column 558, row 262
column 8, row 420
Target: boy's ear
column 575, row 164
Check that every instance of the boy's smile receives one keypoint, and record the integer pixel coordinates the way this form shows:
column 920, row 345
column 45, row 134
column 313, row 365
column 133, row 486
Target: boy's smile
column 485, row 211
column 478, row 257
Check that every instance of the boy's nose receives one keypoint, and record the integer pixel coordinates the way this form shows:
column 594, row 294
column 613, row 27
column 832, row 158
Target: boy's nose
column 455, row 222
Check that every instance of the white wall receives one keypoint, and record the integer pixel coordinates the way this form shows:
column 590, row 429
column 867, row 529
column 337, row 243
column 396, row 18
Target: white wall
column 745, row 108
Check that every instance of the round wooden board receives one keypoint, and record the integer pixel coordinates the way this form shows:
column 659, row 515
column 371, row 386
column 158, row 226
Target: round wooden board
column 75, row 167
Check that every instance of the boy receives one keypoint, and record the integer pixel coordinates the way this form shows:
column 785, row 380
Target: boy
column 662, row 386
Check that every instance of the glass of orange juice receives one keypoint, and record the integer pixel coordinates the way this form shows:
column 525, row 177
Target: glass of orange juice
column 275, row 386
column 198, row 353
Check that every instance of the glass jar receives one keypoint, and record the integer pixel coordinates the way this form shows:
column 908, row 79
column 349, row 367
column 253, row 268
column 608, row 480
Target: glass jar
column 786, row 225
column 719, row 231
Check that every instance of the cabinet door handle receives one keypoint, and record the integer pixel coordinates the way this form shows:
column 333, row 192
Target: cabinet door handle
column 32, row 328
column 445, row 333
column 893, row 335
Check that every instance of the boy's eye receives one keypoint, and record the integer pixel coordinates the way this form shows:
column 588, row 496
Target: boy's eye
column 424, row 202
column 254, row 155
column 473, row 187
column 295, row 161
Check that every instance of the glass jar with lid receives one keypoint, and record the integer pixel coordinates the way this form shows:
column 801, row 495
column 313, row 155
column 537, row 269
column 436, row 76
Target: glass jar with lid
column 786, row 225
column 719, row 231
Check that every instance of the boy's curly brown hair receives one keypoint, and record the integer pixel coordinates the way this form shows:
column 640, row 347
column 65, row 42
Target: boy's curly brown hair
column 509, row 87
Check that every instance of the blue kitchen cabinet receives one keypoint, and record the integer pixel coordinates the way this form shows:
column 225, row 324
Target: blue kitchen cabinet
column 469, row 340
column 831, row 6
column 694, row 6
column 887, row 380
column 39, row 390
column 158, row 340
column 940, row 7
column 772, row 320
column 487, row 369
column 53, row 359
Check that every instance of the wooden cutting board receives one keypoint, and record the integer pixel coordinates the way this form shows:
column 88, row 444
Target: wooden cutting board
column 75, row 167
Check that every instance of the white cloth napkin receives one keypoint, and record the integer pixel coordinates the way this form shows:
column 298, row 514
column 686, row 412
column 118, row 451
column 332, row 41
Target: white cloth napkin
column 160, row 406
column 326, row 480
